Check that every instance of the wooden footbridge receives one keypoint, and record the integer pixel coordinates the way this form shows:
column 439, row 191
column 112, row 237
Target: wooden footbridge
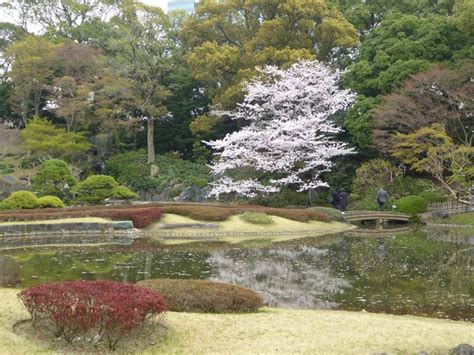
column 356, row 216
column 380, row 218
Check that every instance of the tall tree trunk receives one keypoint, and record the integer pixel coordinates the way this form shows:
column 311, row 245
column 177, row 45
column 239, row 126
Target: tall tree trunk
column 150, row 142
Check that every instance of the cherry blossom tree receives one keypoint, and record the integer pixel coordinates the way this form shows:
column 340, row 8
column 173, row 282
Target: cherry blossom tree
column 288, row 137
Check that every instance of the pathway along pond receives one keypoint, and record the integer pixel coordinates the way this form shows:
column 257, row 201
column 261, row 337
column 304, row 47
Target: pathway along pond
column 428, row 273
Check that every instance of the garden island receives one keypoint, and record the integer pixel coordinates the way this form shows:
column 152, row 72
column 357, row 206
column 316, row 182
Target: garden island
column 237, row 177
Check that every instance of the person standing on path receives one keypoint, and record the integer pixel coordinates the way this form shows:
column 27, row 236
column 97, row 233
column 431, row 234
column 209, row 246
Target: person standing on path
column 343, row 200
column 381, row 198
column 335, row 199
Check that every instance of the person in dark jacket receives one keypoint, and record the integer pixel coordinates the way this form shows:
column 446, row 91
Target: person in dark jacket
column 343, row 200
column 381, row 198
column 335, row 199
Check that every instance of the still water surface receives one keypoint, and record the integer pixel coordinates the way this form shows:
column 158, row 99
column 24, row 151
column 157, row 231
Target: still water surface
column 421, row 273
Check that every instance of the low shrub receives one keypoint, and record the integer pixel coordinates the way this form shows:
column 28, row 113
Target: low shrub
column 50, row 202
column 96, row 188
column 200, row 213
column 256, row 218
column 411, row 204
column 334, row 214
column 141, row 217
column 123, row 193
column 20, row 200
column 76, row 308
column 433, row 196
column 203, row 212
column 205, row 296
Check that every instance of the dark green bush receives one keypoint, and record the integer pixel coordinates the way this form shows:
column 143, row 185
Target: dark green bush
column 335, row 215
column 6, row 169
column 54, row 178
column 176, row 191
column 433, row 196
column 286, row 197
column 128, row 169
column 411, row 204
column 256, row 218
column 204, row 296
column 368, row 203
column 96, row 188
column 50, row 202
column 20, row 200
column 408, row 185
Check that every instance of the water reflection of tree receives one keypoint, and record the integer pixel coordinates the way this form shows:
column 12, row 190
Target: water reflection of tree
column 292, row 278
column 9, row 271
column 33, row 267
column 413, row 275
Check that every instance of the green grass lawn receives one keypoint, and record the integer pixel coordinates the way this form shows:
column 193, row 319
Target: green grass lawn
column 464, row 218
column 269, row 331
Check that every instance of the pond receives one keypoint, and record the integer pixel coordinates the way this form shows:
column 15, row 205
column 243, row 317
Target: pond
column 428, row 273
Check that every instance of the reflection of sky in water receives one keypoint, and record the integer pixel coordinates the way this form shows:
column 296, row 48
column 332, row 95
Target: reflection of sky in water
column 285, row 278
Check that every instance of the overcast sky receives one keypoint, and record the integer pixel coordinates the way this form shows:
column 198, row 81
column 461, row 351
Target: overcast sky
column 161, row 3
column 7, row 17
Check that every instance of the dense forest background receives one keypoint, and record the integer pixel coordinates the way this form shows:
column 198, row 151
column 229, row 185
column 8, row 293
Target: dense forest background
column 120, row 88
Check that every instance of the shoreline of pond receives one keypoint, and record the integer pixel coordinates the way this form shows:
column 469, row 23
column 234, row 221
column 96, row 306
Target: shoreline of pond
column 102, row 231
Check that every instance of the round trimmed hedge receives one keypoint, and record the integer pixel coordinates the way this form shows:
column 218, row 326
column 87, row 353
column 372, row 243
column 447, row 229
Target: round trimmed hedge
column 50, row 202
column 204, row 296
column 20, row 200
column 411, row 204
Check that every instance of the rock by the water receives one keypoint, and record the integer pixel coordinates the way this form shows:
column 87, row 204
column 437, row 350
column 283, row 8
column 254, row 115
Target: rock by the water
column 463, row 349
column 9, row 184
column 440, row 214
column 122, row 225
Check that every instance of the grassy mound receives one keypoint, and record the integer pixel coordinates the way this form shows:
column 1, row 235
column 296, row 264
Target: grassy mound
column 256, row 218
column 205, row 296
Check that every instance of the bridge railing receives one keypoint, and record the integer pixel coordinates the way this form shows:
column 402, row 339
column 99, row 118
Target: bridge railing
column 452, row 207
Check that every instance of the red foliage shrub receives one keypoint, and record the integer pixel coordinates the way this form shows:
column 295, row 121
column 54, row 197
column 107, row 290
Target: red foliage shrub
column 73, row 308
column 200, row 213
column 141, row 217
column 152, row 212
column 205, row 296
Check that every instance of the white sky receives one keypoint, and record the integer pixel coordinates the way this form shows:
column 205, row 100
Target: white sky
column 160, row 3
column 7, row 17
